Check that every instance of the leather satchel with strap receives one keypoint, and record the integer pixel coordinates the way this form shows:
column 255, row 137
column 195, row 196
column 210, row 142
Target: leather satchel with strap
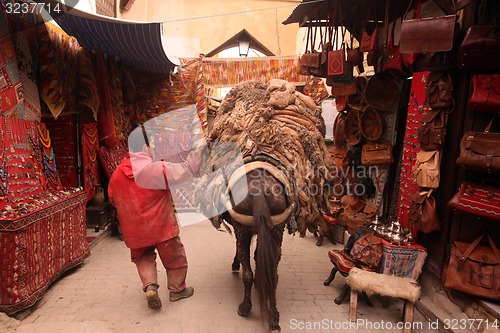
column 377, row 154
column 367, row 251
column 474, row 269
column 432, row 133
column 310, row 62
column 480, row 46
column 368, row 41
column 439, row 89
column 426, row 168
column 486, row 93
column 480, row 151
column 422, row 214
column 426, row 35
column 337, row 64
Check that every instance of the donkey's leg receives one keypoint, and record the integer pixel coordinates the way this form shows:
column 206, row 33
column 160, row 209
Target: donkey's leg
column 243, row 239
column 235, row 266
column 278, row 240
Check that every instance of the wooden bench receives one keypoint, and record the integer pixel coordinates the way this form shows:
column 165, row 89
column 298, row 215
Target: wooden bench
column 384, row 285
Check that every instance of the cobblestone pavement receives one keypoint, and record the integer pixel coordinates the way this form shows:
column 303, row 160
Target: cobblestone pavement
column 104, row 294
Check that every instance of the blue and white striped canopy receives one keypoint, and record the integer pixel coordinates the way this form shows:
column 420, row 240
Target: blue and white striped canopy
column 138, row 44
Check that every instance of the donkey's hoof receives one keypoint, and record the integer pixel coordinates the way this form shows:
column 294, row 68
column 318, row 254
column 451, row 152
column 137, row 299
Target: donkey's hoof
column 235, row 268
column 244, row 309
column 275, row 328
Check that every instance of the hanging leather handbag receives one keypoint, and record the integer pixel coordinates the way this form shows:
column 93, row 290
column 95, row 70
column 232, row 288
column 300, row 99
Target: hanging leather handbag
column 486, row 93
column 422, row 213
column 309, row 64
column 426, row 168
column 340, row 157
column 410, row 57
column 393, row 59
column 369, row 39
column 432, row 133
column 338, row 129
column 381, row 93
column 357, row 101
column 439, row 89
column 377, row 154
column 474, row 269
column 367, row 251
column 477, row 199
column 371, row 124
column 342, row 88
column 480, row 151
column 355, row 58
column 431, row 34
column 337, row 62
column 480, row 48
column 369, row 35
column 351, row 128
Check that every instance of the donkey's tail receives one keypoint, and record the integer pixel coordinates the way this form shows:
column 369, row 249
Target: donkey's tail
column 266, row 270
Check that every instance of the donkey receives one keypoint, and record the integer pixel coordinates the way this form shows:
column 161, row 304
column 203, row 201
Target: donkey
column 264, row 213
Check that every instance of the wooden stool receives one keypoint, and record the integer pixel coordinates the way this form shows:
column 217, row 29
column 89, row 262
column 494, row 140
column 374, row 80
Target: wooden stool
column 384, row 285
column 342, row 263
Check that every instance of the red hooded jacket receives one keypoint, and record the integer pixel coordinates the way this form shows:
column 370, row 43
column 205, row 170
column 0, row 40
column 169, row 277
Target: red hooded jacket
column 145, row 211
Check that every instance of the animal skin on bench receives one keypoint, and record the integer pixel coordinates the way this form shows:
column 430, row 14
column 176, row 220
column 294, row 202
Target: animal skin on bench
column 385, row 285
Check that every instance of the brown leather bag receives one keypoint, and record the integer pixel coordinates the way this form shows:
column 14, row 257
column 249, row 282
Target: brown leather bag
column 337, row 62
column 381, row 93
column 367, row 251
column 341, row 88
column 426, row 168
column 432, row 133
column 371, row 124
column 338, row 129
column 351, row 128
column 474, row 269
column 309, row 64
column 357, row 101
column 439, row 89
column 480, row 151
column 422, row 214
column 355, row 58
column 340, row 157
column 377, row 154
column 480, row 47
column 369, row 35
column 425, row 35
column 486, row 93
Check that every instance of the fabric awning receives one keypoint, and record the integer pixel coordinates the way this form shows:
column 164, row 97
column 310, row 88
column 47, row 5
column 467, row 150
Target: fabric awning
column 138, row 44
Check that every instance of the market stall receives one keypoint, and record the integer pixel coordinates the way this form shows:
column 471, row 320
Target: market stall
column 440, row 183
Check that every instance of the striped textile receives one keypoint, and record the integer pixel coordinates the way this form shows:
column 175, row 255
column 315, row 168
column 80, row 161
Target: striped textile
column 225, row 72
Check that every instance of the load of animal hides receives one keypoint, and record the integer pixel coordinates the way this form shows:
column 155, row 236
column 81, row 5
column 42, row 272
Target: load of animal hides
column 276, row 121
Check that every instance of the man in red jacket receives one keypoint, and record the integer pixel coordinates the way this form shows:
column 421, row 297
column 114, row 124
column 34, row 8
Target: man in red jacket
column 139, row 191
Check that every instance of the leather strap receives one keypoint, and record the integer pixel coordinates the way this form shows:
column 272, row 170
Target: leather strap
column 474, row 244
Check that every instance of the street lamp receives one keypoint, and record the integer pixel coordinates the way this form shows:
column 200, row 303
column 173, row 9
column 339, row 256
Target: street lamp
column 243, row 47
